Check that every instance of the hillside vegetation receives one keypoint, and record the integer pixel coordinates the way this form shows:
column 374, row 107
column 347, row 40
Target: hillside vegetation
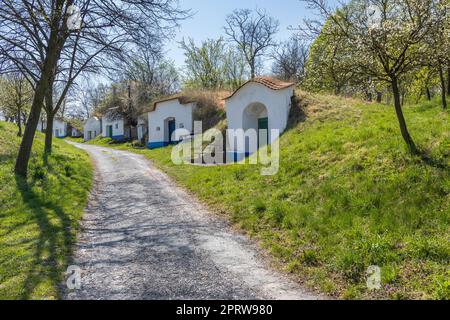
column 39, row 216
column 348, row 195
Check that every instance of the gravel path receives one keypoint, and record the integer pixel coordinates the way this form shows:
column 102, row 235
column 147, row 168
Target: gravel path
column 145, row 238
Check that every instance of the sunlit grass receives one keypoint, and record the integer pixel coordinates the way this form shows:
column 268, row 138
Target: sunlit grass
column 39, row 217
column 348, row 195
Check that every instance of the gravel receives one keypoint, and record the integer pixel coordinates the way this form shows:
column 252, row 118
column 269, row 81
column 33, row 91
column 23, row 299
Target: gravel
column 145, row 238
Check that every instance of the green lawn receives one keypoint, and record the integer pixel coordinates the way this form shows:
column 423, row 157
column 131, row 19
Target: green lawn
column 78, row 140
column 39, row 217
column 348, row 195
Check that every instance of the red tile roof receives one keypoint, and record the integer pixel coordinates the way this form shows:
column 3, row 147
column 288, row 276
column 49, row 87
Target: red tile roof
column 269, row 82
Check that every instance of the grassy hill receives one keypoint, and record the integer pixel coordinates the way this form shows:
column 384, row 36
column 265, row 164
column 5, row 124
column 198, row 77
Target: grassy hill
column 348, row 195
column 39, row 216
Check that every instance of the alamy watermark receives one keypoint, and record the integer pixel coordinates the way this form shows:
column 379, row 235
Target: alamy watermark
column 74, row 278
column 74, row 18
column 240, row 146
column 373, row 278
column 374, row 16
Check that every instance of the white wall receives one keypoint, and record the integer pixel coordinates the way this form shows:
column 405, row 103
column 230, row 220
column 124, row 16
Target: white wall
column 75, row 132
column 117, row 125
column 93, row 125
column 277, row 103
column 157, row 120
column 59, row 128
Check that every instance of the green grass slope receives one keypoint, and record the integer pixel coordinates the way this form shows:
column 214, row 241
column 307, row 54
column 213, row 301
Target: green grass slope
column 39, row 217
column 347, row 196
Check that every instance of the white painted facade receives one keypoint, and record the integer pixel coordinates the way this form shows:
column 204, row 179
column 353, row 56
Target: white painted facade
column 75, row 133
column 159, row 119
column 254, row 102
column 113, row 128
column 92, row 128
column 59, row 128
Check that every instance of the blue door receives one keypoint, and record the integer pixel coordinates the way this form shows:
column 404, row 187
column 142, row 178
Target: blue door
column 172, row 126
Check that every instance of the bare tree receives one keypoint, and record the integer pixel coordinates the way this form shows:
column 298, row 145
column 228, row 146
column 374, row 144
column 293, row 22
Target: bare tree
column 122, row 102
column 97, row 95
column 253, row 31
column 84, row 94
column 235, row 68
column 290, row 59
column 144, row 78
column 149, row 75
column 84, row 99
column 37, row 44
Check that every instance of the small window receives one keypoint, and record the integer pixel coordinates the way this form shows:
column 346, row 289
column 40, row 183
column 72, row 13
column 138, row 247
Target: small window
column 117, row 126
column 158, row 128
column 181, row 125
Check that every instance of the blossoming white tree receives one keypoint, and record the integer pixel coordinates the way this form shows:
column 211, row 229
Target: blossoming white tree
column 388, row 38
column 438, row 44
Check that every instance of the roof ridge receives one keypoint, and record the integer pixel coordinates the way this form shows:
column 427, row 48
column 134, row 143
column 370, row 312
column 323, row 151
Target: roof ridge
column 269, row 82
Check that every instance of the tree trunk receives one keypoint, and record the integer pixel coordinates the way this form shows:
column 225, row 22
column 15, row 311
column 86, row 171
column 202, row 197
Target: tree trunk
column 443, row 88
column 401, row 119
column 19, row 121
column 448, row 80
column 49, row 133
column 379, row 97
column 402, row 99
column 50, row 118
column 337, row 90
column 252, row 70
column 53, row 51
column 24, row 118
column 23, row 157
column 428, row 93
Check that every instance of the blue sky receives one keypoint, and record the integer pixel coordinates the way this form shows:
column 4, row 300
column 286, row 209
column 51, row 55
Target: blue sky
column 210, row 15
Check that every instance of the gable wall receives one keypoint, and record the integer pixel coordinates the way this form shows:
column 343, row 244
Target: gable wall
column 117, row 125
column 277, row 102
column 61, row 126
column 93, row 125
column 164, row 110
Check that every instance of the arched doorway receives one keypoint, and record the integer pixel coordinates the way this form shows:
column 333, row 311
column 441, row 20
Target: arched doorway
column 256, row 117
